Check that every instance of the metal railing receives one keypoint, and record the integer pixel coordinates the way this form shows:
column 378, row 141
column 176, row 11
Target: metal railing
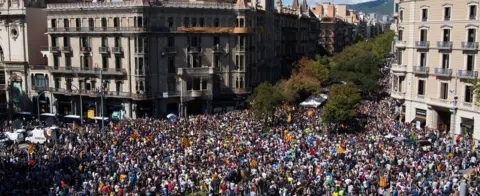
column 421, row 69
column 444, row 45
column 85, row 49
column 194, row 49
column 88, row 70
column 195, row 71
column 217, row 48
column 472, row 17
column 470, row 45
column 442, row 72
column 467, row 74
column 400, row 44
column 38, row 67
column 422, row 44
column 397, row 94
column 103, row 50
column 67, row 49
column 117, row 50
column 398, row 67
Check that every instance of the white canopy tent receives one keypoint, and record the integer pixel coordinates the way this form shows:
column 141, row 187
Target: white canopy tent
column 315, row 102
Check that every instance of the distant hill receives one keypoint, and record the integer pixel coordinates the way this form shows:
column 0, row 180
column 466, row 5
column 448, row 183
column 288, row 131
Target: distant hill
column 380, row 7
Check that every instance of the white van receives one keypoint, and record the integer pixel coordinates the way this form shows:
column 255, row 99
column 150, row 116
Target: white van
column 36, row 136
column 17, row 136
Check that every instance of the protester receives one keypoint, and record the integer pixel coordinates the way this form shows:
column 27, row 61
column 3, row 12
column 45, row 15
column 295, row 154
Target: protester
column 235, row 153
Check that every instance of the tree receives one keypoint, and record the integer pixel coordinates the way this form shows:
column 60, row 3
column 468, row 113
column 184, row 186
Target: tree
column 264, row 99
column 343, row 102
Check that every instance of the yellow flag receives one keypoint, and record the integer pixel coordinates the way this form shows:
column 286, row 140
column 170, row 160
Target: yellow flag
column 289, row 118
column 30, row 148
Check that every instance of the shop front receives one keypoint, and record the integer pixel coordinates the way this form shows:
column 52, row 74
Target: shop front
column 420, row 118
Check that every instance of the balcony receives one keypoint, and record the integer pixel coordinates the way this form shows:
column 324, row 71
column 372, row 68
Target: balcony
column 67, row 49
column 420, row 97
column 198, row 93
column 117, row 50
column 400, row 44
column 103, row 50
column 38, row 67
column 465, row 74
column 87, row 70
column 57, row 69
column 140, row 50
column 467, row 105
column 397, row 95
column 472, row 17
column 444, row 45
column 117, row 94
column 398, row 68
column 217, row 49
column 112, row 71
column 168, row 94
column 170, row 50
column 85, row 49
column 420, row 70
column 469, row 45
column 422, row 44
column 194, row 49
column 195, row 71
column 136, row 96
column 440, row 102
column 443, row 72
column 240, row 48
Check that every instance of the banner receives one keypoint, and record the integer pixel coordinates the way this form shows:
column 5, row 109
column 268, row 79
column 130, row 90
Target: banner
column 91, row 113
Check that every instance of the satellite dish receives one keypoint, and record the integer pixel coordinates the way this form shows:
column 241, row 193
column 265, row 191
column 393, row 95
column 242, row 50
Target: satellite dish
column 50, row 121
column 17, row 124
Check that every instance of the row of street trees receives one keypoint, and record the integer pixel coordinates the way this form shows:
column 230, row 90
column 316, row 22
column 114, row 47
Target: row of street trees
column 357, row 65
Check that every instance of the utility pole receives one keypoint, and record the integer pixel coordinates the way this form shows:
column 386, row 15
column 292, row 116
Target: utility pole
column 101, row 96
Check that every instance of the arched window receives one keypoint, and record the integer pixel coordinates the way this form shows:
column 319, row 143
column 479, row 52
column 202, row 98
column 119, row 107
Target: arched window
column 236, row 83
column 241, row 82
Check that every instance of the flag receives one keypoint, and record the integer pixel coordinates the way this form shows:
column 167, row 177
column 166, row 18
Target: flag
column 340, row 150
column 148, row 135
column 412, row 134
column 122, row 177
column 30, row 148
column 289, row 117
column 111, row 124
column 383, row 182
column 132, row 132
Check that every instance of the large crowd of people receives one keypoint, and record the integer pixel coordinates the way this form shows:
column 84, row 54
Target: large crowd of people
column 235, row 153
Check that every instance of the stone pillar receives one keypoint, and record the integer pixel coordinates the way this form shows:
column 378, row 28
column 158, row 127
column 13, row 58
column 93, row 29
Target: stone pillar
column 128, row 109
column 432, row 118
column 453, row 127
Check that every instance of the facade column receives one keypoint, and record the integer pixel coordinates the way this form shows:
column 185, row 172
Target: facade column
column 453, row 127
column 432, row 118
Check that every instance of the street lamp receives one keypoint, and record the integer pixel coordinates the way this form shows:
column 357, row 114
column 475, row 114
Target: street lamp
column 81, row 104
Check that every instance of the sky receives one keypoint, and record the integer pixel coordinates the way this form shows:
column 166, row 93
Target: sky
column 312, row 2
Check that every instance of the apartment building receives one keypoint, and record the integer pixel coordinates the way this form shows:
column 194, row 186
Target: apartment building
column 151, row 58
column 337, row 26
column 436, row 49
column 20, row 40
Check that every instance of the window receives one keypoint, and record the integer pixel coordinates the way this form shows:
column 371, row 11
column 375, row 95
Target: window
column 104, row 23
column 446, row 13
column 472, row 35
column 468, row 94
column 118, row 86
column 204, row 84
column 424, row 15
column 216, row 40
column 216, row 61
column 116, row 22
column 423, row 35
column 196, row 84
column 66, row 41
column 237, row 61
column 445, row 61
column 104, row 62
column 78, row 24
column 401, row 16
column 237, row 85
column 69, row 84
column 400, row 35
column 86, row 61
column 421, row 87
column 104, row 42
column 68, row 61
column 443, row 90
column 216, row 22
column 84, row 42
column 118, row 42
column 189, row 85
column 171, row 64
column 241, row 82
column 446, row 35
column 186, row 22
column 91, row 24
column 118, row 62
column 194, row 22
column 170, row 21
column 201, row 22
column 53, row 23
column 470, row 62
column 55, row 61
column 66, row 24
column 171, row 41
column 399, row 57
column 472, row 12
column 54, row 41
column 80, row 84
column 423, row 59
column 57, row 83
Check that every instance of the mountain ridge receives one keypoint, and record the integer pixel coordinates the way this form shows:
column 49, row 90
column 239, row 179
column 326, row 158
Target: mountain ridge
column 380, row 7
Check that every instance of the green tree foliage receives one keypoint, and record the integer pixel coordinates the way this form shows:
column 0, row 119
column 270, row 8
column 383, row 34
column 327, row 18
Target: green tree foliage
column 342, row 104
column 264, row 99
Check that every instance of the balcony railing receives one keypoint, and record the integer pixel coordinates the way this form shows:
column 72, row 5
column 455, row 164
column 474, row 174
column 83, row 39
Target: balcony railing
column 440, row 101
column 170, row 50
column 422, row 44
column 198, row 93
column 38, row 67
column 85, row 49
column 443, row 72
column 103, row 50
column 399, row 68
column 472, row 17
column 106, row 29
column 397, row 95
column 420, row 69
column 444, row 45
column 469, row 45
column 400, row 44
column 194, row 49
column 117, row 50
column 87, row 70
column 217, row 48
column 67, row 49
column 467, row 74
column 195, row 71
